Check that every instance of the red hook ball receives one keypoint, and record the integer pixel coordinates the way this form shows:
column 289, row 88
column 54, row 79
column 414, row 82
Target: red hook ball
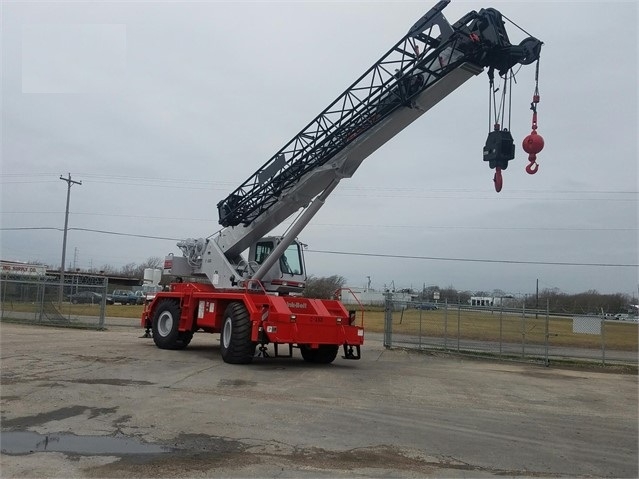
column 533, row 143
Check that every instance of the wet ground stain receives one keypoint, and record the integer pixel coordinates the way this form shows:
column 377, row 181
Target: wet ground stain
column 109, row 360
column 26, row 422
column 27, row 442
column 236, row 383
column 217, row 454
column 10, row 378
column 197, row 454
column 111, row 382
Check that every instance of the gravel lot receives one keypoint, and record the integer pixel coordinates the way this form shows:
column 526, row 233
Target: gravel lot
column 145, row 412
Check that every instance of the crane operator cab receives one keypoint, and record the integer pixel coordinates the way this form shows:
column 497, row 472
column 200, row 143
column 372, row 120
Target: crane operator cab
column 286, row 276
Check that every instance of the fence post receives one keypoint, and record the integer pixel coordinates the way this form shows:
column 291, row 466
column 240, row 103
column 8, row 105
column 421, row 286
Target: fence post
column 546, row 360
column 446, row 327
column 523, row 332
column 458, row 324
column 42, row 289
column 388, row 320
column 501, row 327
column 421, row 313
column 3, row 293
column 105, row 288
column 603, row 340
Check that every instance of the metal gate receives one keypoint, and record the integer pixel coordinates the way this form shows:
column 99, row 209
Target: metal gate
column 514, row 334
column 79, row 302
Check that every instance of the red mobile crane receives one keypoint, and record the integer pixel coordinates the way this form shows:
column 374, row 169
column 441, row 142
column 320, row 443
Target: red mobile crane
column 255, row 302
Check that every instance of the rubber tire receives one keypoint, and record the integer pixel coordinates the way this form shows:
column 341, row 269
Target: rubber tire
column 235, row 338
column 165, row 324
column 184, row 338
column 325, row 354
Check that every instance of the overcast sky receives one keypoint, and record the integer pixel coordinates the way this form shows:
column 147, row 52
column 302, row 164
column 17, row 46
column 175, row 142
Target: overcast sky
column 161, row 109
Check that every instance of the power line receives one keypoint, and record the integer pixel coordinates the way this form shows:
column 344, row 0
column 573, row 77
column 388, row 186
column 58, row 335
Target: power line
column 471, row 260
column 483, row 228
column 345, row 225
column 375, row 190
column 125, row 234
column 27, row 228
column 348, row 225
column 407, row 193
column 116, row 233
column 371, row 255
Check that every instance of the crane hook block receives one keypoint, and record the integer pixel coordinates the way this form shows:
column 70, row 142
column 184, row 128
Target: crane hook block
column 499, row 148
column 532, row 145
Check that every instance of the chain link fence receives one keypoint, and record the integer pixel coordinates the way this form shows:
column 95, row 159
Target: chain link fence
column 526, row 335
column 80, row 302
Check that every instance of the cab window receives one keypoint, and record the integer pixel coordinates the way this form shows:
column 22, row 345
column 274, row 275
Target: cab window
column 262, row 250
column 290, row 261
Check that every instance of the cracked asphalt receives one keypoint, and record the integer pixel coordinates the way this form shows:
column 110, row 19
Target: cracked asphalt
column 392, row 414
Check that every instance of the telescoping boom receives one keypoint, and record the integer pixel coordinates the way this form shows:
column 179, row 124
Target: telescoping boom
column 255, row 301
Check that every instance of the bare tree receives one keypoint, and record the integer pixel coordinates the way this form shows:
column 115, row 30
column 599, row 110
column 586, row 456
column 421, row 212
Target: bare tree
column 129, row 269
column 152, row 262
column 324, row 287
column 108, row 269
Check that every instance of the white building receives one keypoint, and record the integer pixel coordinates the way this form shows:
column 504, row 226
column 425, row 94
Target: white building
column 485, row 301
column 370, row 297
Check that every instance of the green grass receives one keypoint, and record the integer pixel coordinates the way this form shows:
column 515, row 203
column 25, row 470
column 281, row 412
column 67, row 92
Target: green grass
column 122, row 311
column 112, row 310
column 484, row 326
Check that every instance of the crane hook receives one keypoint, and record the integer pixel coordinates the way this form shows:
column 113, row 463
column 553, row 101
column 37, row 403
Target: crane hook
column 532, row 145
column 499, row 181
column 534, row 142
column 532, row 167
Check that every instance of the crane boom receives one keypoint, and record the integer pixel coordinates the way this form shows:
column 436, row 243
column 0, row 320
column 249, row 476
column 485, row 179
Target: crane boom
column 429, row 62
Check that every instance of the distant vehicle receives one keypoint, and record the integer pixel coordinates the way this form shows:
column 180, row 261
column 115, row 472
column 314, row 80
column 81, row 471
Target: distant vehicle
column 427, row 306
column 147, row 293
column 143, row 295
column 88, row 297
column 124, row 296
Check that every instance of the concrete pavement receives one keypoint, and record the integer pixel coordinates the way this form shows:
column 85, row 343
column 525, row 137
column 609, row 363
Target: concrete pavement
column 392, row 414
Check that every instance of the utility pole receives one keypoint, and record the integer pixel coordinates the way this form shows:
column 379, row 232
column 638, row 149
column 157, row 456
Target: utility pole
column 70, row 182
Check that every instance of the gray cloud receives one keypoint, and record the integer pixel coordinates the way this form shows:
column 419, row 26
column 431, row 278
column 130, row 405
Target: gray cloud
column 204, row 93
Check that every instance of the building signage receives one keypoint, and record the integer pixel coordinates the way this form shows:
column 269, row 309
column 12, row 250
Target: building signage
column 22, row 269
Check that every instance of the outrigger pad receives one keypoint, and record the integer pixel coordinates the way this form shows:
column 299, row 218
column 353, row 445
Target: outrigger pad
column 350, row 354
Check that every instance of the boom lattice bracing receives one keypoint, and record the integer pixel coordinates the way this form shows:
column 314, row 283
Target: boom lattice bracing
column 424, row 56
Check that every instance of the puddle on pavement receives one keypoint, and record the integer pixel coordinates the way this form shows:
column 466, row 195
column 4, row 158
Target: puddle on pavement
column 25, row 442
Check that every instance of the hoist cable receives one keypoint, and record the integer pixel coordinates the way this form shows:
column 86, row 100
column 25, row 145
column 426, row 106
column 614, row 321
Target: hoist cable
column 504, row 16
column 510, row 100
column 490, row 105
column 502, row 104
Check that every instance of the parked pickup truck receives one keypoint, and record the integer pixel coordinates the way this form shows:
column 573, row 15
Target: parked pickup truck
column 124, row 296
